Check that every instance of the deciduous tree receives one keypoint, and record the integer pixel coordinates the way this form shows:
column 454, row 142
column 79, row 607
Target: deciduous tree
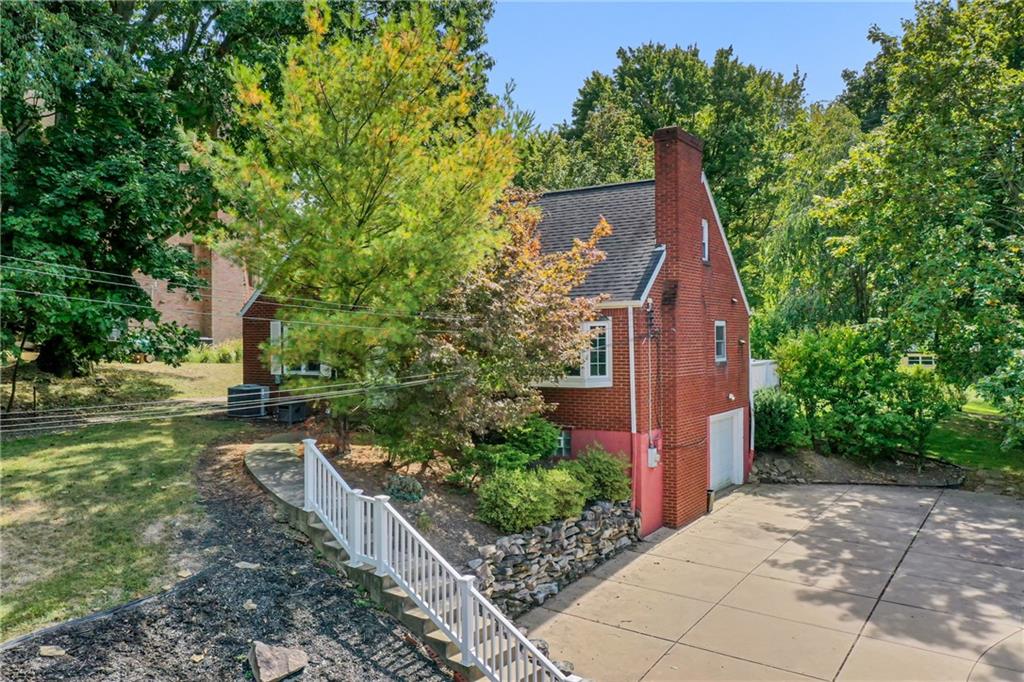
column 514, row 325
column 367, row 186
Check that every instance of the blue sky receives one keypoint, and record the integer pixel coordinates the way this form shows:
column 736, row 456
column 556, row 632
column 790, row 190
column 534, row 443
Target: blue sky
column 548, row 48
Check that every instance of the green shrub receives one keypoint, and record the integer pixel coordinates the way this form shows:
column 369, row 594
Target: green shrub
column 405, row 488
column 489, row 458
column 776, row 415
column 536, row 437
column 854, row 396
column 924, row 400
column 223, row 353
column 603, row 475
column 513, row 500
column 568, row 493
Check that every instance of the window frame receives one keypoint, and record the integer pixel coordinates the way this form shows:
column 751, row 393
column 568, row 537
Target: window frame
column 564, row 447
column 705, row 248
column 291, row 370
column 585, row 379
column 724, row 357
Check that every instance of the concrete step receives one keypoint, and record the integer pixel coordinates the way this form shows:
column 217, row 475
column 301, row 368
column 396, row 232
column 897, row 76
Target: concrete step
column 466, row 671
column 417, row 620
column 334, row 550
column 441, row 644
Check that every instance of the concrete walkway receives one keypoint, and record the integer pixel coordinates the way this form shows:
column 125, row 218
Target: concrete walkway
column 276, row 464
column 807, row 582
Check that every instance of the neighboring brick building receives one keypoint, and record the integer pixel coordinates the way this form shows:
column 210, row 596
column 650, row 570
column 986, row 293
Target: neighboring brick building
column 215, row 314
column 666, row 380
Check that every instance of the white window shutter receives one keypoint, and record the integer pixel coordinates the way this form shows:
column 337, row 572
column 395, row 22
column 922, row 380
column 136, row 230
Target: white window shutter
column 275, row 342
column 325, row 369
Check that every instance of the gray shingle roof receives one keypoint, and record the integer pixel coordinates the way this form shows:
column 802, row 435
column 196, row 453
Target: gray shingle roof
column 631, row 253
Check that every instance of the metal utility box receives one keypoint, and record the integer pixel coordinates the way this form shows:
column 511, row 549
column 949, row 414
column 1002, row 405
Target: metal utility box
column 248, row 400
column 292, row 413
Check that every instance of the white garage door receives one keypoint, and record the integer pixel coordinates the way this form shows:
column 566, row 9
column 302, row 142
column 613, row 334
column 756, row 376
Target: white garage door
column 726, row 449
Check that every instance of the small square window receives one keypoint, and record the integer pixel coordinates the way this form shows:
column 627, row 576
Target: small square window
column 720, row 349
column 564, row 448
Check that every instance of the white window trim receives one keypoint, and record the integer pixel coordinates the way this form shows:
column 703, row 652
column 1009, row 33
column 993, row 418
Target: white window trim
column 278, row 330
column 720, row 324
column 585, row 380
column 705, row 249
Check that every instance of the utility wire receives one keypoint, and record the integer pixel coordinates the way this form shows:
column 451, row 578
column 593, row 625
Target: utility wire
column 152, row 404
column 344, row 307
column 333, row 325
column 208, row 411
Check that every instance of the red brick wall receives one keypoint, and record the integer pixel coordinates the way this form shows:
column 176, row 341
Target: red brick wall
column 215, row 315
column 254, row 333
column 598, row 409
column 691, row 295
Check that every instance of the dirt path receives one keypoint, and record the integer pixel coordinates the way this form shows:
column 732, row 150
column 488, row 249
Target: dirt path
column 201, row 629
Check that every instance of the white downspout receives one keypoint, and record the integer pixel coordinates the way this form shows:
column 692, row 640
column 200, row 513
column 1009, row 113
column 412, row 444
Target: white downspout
column 632, row 373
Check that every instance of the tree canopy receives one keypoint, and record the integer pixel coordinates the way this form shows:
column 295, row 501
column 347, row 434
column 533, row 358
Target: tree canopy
column 366, row 187
column 94, row 172
column 743, row 113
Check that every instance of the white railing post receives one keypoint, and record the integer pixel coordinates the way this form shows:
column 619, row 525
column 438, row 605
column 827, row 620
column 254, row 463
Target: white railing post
column 380, row 533
column 466, row 620
column 309, row 473
column 355, row 527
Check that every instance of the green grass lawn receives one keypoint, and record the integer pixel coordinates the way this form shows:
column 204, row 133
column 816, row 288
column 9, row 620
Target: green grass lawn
column 122, row 383
column 972, row 439
column 82, row 513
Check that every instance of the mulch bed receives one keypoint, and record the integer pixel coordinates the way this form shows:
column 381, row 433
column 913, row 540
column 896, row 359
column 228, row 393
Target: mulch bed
column 200, row 629
column 445, row 516
column 807, row 466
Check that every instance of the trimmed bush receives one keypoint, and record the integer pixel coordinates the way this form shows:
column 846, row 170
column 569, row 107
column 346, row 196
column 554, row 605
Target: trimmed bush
column 568, row 494
column 404, row 488
column 603, row 475
column 536, row 437
column 776, row 415
column 512, row 500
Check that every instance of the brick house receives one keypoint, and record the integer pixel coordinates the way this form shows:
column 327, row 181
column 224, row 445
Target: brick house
column 215, row 314
column 665, row 382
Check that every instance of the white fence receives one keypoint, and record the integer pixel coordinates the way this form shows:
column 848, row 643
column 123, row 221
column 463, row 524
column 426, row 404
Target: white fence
column 373, row 532
column 763, row 374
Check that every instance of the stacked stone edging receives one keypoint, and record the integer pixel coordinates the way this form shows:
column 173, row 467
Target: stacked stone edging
column 521, row 571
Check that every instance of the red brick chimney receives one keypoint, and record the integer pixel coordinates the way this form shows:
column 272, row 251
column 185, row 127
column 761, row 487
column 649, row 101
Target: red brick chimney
column 687, row 372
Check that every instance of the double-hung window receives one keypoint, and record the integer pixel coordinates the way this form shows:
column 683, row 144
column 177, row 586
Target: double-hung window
column 720, row 347
column 595, row 367
column 278, row 337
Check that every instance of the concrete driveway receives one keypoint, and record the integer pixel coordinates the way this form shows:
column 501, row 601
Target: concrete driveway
column 807, row 582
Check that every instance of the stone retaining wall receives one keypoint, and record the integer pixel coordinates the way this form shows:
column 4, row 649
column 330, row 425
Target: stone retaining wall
column 521, row 571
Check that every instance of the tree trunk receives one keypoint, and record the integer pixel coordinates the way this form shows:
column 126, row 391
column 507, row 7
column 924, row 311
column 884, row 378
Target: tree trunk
column 14, row 372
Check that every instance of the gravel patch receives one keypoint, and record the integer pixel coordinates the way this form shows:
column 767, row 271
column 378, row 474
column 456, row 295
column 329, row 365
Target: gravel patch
column 199, row 628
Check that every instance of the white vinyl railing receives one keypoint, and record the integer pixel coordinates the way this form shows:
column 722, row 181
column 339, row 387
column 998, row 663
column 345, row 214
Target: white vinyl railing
column 373, row 532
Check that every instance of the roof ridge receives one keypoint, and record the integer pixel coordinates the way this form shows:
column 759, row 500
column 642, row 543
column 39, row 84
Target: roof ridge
column 594, row 187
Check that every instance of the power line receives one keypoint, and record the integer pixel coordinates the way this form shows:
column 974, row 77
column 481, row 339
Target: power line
column 152, row 404
column 108, row 302
column 323, row 307
column 343, row 307
column 208, row 411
